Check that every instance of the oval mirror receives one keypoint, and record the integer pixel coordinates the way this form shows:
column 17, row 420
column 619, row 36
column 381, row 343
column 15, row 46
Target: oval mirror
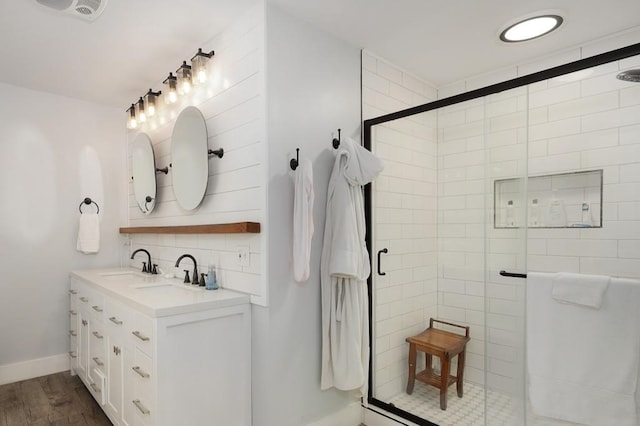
column 143, row 165
column 189, row 158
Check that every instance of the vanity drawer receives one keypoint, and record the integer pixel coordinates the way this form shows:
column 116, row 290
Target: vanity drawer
column 143, row 387
column 142, row 333
column 117, row 318
column 95, row 306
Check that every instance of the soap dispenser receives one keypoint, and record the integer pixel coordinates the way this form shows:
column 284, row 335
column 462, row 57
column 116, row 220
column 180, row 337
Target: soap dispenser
column 212, row 281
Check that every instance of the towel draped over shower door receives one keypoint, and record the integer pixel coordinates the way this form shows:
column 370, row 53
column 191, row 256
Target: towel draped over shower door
column 583, row 363
column 344, row 271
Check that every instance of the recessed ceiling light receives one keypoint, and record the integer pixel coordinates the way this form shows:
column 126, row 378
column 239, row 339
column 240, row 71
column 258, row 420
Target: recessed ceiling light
column 530, row 28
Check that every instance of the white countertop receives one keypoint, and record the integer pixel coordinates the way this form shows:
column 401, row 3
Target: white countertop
column 155, row 295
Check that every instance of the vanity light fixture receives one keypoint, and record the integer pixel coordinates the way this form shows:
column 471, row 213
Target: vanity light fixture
column 171, row 96
column 151, row 99
column 184, row 78
column 200, row 66
column 531, row 28
column 132, row 123
column 140, row 112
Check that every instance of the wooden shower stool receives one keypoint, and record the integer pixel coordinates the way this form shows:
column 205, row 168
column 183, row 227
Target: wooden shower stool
column 445, row 345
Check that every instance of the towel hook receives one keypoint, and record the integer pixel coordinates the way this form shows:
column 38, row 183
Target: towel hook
column 164, row 170
column 218, row 152
column 295, row 161
column 88, row 201
column 336, row 141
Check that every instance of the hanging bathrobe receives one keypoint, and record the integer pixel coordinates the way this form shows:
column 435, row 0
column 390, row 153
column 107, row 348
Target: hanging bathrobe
column 344, row 271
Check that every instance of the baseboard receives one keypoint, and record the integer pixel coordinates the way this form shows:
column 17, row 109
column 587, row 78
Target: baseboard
column 351, row 415
column 25, row 370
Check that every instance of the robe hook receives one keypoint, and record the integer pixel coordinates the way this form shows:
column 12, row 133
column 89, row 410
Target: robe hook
column 295, row 161
column 218, row 152
column 336, row 141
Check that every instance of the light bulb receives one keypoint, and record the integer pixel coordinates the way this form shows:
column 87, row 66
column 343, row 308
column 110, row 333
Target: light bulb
column 171, row 96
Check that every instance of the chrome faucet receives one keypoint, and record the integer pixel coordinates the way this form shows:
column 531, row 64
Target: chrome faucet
column 147, row 267
column 195, row 269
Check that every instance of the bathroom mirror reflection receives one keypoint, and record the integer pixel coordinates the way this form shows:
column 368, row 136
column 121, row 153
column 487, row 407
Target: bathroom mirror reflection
column 189, row 158
column 144, row 173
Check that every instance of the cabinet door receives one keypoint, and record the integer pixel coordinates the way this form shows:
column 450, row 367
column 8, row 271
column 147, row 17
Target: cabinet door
column 83, row 344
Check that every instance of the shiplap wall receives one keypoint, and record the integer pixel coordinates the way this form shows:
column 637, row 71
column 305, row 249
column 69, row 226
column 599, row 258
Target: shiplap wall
column 233, row 105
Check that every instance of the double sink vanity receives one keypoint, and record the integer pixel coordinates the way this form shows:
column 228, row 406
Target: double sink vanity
column 155, row 351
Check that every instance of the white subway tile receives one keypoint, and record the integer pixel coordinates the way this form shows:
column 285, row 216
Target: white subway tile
column 626, row 268
column 369, row 62
column 554, row 95
column 568, row 126
column 402, row 94
column 602, row 83
column 630, row 173
column 375, row 82
column 389, row 72
column 629, row 212
column 553, row 263
column 592, row 248
column 611, row 119
column 583, row 141
column 555, row 163
column 629, row 249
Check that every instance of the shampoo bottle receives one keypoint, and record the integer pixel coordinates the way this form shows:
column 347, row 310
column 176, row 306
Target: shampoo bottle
column 212, row 281
column 511, row 218
column 557, row 215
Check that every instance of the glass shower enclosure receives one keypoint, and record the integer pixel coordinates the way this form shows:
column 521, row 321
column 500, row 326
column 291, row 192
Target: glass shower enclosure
column 477, row 190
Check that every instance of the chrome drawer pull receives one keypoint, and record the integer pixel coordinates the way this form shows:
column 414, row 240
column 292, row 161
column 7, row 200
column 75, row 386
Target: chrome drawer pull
column 73, row 291
column 84, row 299
column 141, row 407
column 72, row 354
column 97, row 361
column 94, row 387
column 98, row 335
column 97, row 308
column 140, row 336
column 73, row 333
column 140, row 372
column 72, row 312
column 115, row 321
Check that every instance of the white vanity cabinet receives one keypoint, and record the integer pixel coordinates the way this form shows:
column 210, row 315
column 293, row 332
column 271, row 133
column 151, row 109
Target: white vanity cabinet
column 164, row 356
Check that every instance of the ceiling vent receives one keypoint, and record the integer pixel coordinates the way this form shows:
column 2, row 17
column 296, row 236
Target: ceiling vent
column 89, row 10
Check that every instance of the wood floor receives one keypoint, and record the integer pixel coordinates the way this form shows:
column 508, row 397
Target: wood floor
column 58, row 399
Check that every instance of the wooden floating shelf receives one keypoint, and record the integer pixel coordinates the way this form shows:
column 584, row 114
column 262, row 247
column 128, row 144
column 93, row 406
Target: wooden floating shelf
column 218, row 228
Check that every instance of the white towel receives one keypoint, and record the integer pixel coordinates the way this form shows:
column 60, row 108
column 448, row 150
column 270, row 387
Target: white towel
column 581, row 289
column 583, row 363
column 302, row 220
column 89, row 233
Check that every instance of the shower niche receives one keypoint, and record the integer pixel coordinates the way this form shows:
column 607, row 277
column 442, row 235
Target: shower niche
column 562, row 200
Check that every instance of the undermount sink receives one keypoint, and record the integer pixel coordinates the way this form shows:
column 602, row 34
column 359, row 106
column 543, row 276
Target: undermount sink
column 163, row 285
column 123, row 275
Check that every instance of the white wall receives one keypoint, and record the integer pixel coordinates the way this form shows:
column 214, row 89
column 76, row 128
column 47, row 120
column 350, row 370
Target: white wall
column 54, row 151
column 233, row 107
column 313, row 85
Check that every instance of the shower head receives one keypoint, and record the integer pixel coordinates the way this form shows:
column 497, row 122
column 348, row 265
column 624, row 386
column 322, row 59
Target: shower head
column 630, row 75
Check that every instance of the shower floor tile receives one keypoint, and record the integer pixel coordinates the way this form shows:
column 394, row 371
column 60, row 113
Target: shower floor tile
column 467, row 411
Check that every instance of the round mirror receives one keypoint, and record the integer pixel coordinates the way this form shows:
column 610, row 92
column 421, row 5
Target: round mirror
column 143, row 165
column 189, row 158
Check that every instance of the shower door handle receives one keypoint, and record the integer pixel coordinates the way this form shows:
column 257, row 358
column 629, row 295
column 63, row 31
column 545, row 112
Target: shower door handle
column 384, row 250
